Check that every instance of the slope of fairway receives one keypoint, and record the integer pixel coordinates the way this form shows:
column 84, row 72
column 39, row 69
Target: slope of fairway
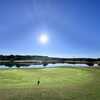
column 55, row 84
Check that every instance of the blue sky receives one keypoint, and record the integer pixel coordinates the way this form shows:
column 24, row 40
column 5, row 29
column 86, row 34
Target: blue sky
column 71, row 25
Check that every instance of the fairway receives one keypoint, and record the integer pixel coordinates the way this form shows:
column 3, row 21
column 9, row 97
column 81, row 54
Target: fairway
column 55, row 84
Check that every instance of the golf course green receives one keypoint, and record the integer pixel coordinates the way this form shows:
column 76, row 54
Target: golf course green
column 55, row 84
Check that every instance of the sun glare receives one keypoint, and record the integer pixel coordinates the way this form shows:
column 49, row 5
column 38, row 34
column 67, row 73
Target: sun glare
column 43, row 39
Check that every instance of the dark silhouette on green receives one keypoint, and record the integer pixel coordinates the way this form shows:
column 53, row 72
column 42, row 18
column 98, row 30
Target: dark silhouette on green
column 38, row 82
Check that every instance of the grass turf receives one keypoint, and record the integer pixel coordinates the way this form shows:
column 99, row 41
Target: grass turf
column 55, row 84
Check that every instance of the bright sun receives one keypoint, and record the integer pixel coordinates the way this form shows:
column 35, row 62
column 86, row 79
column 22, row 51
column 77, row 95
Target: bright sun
column 43, row 39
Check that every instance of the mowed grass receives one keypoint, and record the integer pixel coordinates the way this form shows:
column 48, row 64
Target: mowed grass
column 55, row 84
